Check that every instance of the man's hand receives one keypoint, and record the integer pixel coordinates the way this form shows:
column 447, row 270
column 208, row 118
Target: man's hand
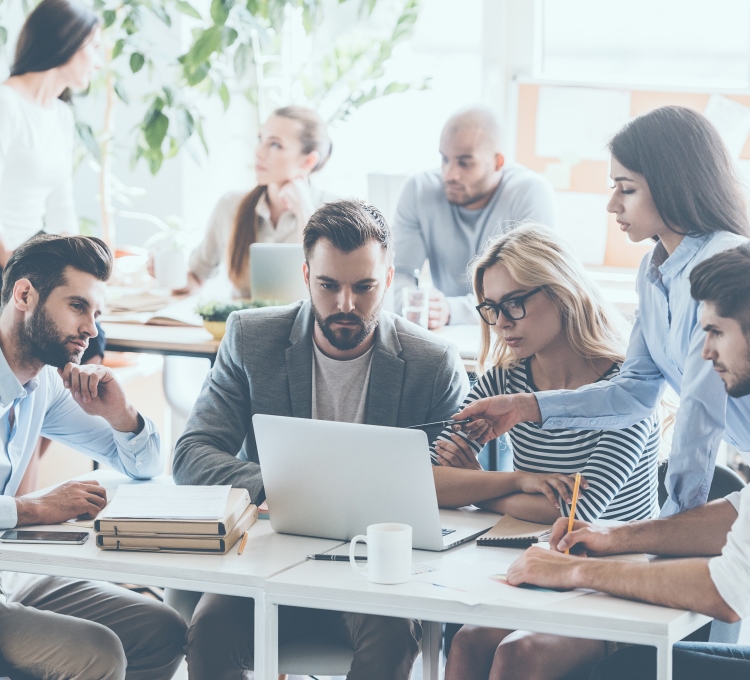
column 552, row 485
column 97, row 392
column 587, row 538
column 440, row 311
column 73, row 499
column 457, row 453
column 494, row 416
column 540, row 567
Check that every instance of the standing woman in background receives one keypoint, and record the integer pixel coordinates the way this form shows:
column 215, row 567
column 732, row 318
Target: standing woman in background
column 674, row 182
column 292, row 144
column 56, row 52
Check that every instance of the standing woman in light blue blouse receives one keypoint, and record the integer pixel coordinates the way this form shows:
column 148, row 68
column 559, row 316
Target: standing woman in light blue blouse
column 674, row 182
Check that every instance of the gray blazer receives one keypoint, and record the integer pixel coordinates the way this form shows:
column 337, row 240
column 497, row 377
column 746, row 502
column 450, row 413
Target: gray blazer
column 265, row 365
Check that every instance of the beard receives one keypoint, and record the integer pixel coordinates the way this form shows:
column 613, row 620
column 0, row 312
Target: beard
column 41, row 340
column 740, row 386
column 347, row 338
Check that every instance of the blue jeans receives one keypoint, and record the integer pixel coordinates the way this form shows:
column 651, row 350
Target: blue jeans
column 690, row 661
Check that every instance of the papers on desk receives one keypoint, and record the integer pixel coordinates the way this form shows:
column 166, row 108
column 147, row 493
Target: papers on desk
column 156, row 310
column 475, row 579
column 148, row 501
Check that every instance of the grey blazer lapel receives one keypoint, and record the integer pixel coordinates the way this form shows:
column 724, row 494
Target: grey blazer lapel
column 299, row 363
column 386, row 376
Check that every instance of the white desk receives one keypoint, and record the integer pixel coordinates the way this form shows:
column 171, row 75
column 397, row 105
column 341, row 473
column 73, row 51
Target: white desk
column 172, row 340
column 332, row 585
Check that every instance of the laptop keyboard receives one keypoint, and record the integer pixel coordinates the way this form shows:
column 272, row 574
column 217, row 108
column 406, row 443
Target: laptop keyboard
column 448, row 531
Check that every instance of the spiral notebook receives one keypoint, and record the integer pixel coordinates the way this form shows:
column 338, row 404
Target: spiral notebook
column 510, row 532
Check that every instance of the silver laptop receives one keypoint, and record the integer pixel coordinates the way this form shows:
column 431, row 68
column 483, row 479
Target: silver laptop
column 332, row 480
column 276, row 272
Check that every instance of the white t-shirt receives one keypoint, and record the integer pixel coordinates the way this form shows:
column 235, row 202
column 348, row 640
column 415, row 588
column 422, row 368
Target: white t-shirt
column 339, row 388
column 36, row 168
column 730, row 572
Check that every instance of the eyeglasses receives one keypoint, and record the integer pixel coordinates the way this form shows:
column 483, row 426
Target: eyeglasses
column 513, row 309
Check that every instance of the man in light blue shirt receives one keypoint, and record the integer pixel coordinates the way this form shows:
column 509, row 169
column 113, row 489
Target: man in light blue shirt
column 446, row 216
column 53, row 291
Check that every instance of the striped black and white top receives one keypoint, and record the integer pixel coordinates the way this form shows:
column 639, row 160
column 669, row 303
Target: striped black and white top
column 619, row 465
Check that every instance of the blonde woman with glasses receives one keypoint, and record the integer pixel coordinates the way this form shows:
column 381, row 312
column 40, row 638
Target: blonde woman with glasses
column 545, row 327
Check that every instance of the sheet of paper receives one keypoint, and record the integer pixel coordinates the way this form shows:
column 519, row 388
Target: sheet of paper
column 731, row 119
column 483, row 580
column 577, row 122
column 582, row 222
column 159, row 501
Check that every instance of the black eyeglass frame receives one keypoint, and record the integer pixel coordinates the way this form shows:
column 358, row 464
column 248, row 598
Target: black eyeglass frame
column 500, row 307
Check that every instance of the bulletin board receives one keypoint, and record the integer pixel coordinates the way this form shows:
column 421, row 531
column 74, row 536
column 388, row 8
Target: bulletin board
column 561, row 132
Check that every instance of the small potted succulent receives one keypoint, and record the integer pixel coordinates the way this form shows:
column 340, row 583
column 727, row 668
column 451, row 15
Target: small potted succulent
column 215, row 313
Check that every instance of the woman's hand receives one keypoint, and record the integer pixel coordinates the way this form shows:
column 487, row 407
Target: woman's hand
column 552, row 485
column 457, row 453
column 494, row 416
column 295, row 196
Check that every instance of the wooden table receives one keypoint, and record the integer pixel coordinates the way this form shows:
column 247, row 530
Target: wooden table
column 185, row 341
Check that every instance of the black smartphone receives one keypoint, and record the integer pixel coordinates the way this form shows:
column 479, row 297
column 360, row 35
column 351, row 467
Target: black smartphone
column 62, row 537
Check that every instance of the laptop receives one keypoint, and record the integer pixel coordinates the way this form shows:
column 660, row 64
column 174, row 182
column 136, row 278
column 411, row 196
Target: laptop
column 276, row 272
column 332, row 480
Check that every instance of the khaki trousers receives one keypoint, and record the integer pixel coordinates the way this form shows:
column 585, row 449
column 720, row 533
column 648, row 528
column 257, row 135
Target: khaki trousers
column 60, row 629
column 220, row 639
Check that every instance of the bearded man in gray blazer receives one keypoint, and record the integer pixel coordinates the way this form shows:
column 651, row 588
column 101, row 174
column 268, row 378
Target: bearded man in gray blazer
column 340, row 357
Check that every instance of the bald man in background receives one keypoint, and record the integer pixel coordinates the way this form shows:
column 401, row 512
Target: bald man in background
column 446, row 216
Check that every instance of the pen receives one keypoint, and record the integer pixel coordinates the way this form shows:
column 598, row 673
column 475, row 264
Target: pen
column 336, row 558
column 440, row 422
column 572, row 517
column 242, row 543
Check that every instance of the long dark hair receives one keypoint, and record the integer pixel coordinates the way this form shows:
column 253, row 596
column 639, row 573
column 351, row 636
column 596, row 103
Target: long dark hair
column 313, row 135
column 51, row 35
column 688, row 171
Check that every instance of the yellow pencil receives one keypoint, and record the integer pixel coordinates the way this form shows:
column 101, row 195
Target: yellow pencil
column 572, row 516
column 242, row 543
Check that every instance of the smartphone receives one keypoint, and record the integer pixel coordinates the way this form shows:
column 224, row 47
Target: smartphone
column 62, row 537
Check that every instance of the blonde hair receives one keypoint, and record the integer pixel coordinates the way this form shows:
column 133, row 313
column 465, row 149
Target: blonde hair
column 536, row 257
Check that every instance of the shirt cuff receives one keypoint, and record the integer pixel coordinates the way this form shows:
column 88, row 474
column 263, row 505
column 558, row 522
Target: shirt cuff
column 8, row 512
column 131, row 444
column 551, row 406
column 462, row 310
column 669, row 508
column 728, row 582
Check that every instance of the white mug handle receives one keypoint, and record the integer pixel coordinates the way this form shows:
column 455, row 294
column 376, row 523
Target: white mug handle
column 352, row 550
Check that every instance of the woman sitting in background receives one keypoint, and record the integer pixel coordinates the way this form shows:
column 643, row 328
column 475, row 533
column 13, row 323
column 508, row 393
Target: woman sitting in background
column 552, row 330
column 292, row 144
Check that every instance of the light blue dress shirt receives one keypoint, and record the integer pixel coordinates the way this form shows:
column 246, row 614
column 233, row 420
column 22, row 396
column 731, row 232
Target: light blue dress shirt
column 44, row 407
column 665, row 347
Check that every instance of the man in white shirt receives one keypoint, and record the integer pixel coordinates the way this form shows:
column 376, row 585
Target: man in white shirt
column 447, row 215
column 719, row 587
column 50, row 627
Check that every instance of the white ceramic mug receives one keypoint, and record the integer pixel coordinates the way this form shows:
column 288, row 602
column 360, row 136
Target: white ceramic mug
column 170, row 269
column 388, row 553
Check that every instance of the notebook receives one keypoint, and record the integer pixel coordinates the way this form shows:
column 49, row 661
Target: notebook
column 180, row 543
column 237, row 503
column 510, row 532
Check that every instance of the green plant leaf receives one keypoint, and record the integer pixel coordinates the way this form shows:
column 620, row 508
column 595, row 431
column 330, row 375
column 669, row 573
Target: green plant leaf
column 198, row 74
column 137, row 60
column 155, row 129
column 117, row 49
column 228, row 36
column 243, row 59
column 224, row 94
column 187, row 9
column 185, row 124
column 86, row 137
column 201, row 136
column 121, row 92
column 3, row 36
column 109, row 16
column 155, row 160
column 160, row 11
column 395, row 88
column 207, row 43
column 220, row 10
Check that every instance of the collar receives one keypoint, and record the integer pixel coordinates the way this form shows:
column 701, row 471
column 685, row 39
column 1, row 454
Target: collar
column 386, row 335
column 10, row 388
column 666, row 266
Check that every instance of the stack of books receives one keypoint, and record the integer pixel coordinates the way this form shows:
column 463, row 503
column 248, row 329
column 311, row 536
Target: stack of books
column 178, row 519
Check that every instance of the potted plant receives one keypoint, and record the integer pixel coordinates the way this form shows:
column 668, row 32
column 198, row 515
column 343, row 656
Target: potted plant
column 215, row 313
